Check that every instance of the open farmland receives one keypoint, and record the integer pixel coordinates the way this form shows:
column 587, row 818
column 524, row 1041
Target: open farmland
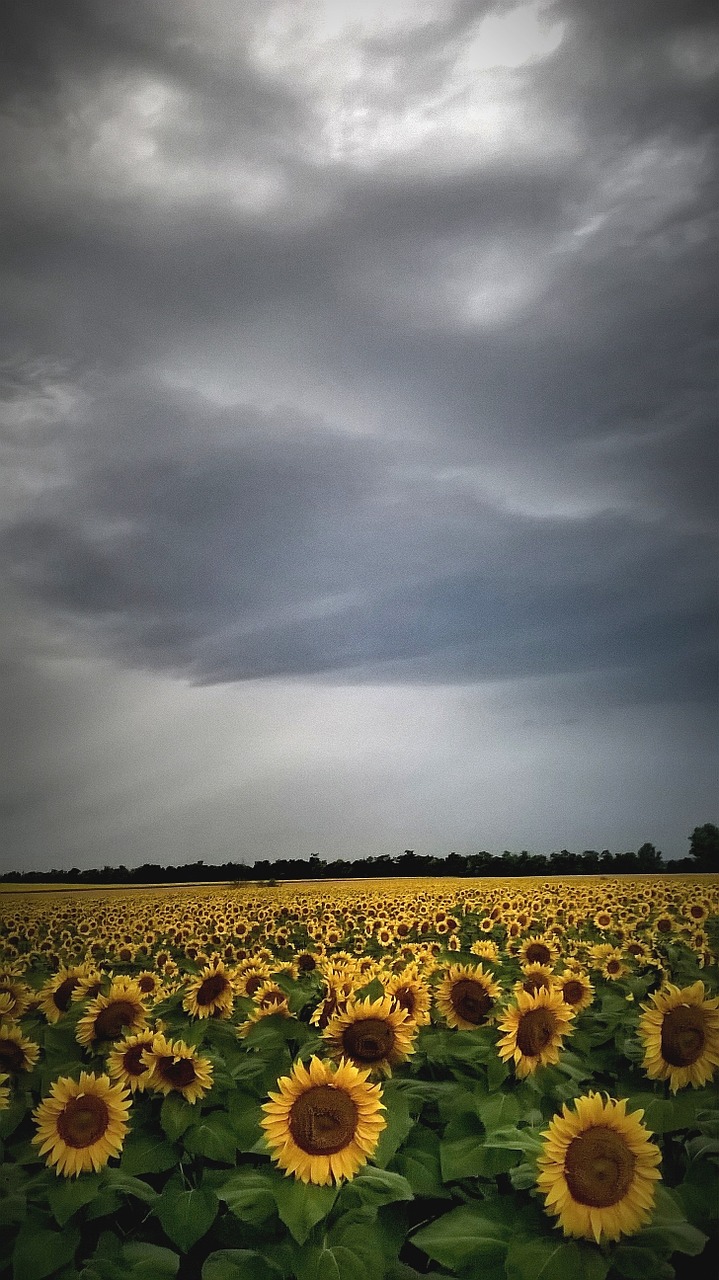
column 442, row 1078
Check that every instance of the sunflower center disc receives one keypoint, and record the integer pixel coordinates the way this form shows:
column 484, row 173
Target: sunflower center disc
column 132, row 1060
column 211, row 988
column 83, row 1121
column 572, row 991
column 61, row 997
column 535, row 1031
column 535, row 982
column 12, row 1057
column 405, row 998
column 683, row 1035
column 110, row 1021
column 470, row 1000
column 179, row 1074
column 369, row 1040
column 323, row 1120
column 537, row 953
column 146, row 983
column 599, row 1167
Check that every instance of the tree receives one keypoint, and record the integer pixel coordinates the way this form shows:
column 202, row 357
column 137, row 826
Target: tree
column 704, row 846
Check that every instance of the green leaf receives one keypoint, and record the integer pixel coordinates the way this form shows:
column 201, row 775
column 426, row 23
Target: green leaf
column 375, row 1187
column 498, row 1111
column 468, row 1156
column 244, row 1115
column 333, row 1262
column 473, row 1232
column 418, row 1162
column 301, row 1205
column 666, row 1115
column 149, row 1261
column 186, row 1216
column 117, row 1180
column 399, row 1124
column 67, row 1195
column 238, row 1264
column 212, row 1137
column 144, row 1153
column 13, row 1209
column 545, row 1260
column 497, row 1072
column 351, row 1251
column 669, row 1231
column 248, row 1194
column 38, row 1251
column 12, row 1115
column 526, row 1140
column 699, row 1193
column 176, row 1115
column 640, row 1264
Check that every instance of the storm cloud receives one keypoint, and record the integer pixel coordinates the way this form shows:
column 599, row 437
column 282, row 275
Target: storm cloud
column 370, row 351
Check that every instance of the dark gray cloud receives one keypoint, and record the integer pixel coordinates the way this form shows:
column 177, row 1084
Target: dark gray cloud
column 378, row 352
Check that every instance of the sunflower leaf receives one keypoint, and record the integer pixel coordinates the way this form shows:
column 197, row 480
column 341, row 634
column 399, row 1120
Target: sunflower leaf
column 176, row 1115
column 636, row 1263
column 466, row 1235
column 554, row 1259
column 212, row 1137
column 399, row 1124
column 66, row 1196
column 39, row 1251
column 144, row 1153
column 375, row 1187
column 186, row 1216
column 302, row 1204
column 248, row 1194
column 238, row 1264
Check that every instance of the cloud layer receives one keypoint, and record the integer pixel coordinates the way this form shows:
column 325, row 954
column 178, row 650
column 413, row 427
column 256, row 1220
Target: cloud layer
column 369, row 347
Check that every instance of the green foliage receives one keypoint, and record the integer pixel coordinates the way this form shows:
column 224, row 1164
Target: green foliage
column 465, row 1235
column 40, row 1251
column 186, row 1216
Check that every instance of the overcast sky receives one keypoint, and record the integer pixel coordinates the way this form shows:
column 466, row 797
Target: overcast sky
column 358, row 450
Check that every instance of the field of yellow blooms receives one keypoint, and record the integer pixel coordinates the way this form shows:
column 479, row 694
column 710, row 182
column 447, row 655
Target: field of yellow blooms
column 355, row 1081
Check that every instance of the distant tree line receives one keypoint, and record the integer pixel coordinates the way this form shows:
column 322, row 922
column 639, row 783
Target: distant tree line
column 703, row 856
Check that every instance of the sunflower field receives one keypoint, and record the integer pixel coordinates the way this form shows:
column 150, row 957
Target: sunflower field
column 449, row 1079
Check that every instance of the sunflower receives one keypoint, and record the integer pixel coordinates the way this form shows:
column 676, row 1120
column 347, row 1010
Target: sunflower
column 577, row 991
column 211, row 994
column 534, row 1027
column 88, row 986
column 679, row 1030
column 82, row 1124
column 466, row 996
column 17, row 1053
column 373, row 1034
column 538, row 950
column 410, row 992
column 337, row 993
column 150, row 985
column 4, row 1092
column 664, row 925
column 56, row 994
column 18, row 996
column 174, row 1067
column 125, row 1062
column 107, row 1017
column 324, row 1122
column 613, row 966
column 486, row 949
column 535, row 977
column 598, row 1169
